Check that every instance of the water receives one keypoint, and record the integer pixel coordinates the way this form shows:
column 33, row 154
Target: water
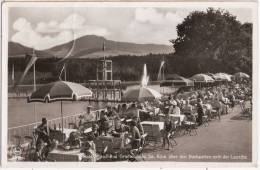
column 21, row 113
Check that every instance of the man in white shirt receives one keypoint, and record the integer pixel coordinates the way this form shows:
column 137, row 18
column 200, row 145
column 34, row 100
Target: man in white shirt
column 174, row 109
column 89, row 116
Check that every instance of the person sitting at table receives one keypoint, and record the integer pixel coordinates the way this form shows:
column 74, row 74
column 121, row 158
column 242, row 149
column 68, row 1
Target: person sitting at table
column 182, row 103
column 174, row 109
column 89, row 116
column 141, row 106
column 124, row 109
column 115, row 112
column 200, row 112
column 167, row 130
column 119, row 109
column 119, row 128
column 89, row 149
column 104, row 124
column 109, row 112
column 94, row 131
column 73, row 141
column 81, row 120
column 138, row 124
column 135, row 135
column 187, row 107
column 132, row 111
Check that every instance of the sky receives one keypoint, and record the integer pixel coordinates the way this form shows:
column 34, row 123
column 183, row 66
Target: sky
column 42, row 28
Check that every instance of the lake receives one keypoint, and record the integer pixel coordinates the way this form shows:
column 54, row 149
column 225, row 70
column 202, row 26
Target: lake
column 21, row 113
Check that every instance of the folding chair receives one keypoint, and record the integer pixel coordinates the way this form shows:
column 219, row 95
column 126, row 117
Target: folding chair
column 205, row 120
column 190, row 127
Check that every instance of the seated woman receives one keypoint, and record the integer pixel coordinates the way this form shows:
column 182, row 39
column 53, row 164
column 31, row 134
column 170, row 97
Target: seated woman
column 118, row 128
column 187, row 107
column 73, row 141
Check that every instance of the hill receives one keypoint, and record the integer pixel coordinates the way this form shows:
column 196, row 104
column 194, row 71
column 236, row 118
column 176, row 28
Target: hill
column 90, row 46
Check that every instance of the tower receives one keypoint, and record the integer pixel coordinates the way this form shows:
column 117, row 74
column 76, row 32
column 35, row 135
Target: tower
column 105, row 70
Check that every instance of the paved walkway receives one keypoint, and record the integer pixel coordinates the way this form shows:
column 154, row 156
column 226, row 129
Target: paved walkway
column 228, row 140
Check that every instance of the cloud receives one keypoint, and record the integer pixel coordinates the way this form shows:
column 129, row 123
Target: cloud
column 51, row 27
column 48, row 34
column 21, row 24
column 73, row 21
column 151, row 26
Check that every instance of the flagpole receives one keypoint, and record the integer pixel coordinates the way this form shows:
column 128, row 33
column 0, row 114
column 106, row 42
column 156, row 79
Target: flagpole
column 34, row 80
column 65, row 72
column 34, row 88
column 163, row 68
column 13, row 75
column 163, row 72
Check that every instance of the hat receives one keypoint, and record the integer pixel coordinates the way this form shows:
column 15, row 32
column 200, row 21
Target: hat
column 89, row 107
column 174, row 103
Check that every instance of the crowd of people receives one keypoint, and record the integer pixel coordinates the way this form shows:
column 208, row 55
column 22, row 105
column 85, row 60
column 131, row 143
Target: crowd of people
column 121, row 119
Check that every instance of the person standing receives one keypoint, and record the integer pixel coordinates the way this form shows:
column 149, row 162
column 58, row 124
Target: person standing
column 43, row 132
column 200, row 112
column 135, row 135
column 168, row 125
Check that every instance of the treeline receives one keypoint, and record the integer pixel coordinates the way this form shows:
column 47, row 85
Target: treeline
column 125, row 68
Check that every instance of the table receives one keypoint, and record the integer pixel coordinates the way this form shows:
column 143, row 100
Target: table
column 67, row 132
column 60, row 155
column 160, row 124
column 153, row 130
column 174, row 118
column 111, row 143
column 180, row 118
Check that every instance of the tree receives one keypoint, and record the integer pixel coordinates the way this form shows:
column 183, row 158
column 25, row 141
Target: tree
column 213, row 41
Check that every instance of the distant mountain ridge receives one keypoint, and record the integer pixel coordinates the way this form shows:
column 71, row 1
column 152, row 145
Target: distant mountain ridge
column 91, row 46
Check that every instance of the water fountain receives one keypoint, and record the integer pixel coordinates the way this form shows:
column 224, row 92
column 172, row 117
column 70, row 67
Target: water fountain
column 145, row 77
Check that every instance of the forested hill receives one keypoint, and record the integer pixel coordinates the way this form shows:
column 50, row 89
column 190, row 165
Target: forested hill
column 91, row 46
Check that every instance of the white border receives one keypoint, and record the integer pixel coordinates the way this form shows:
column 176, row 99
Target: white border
column 6, row 5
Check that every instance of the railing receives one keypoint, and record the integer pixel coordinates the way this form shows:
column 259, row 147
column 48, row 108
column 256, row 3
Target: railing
column 27, row 130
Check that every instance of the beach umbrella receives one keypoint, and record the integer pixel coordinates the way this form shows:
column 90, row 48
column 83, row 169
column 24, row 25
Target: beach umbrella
column 241, row 75
column 141, row 93
column 202, row 78
column 60, row 91
column 176, row 80
column 222, row 77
